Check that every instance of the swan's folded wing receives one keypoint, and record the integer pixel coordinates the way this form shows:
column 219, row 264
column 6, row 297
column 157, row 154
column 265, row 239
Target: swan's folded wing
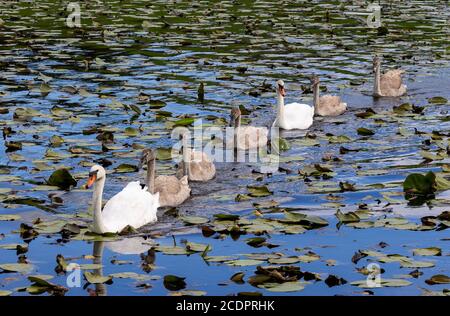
column 201, row 168
column 392, row 79
column 331, row 105
column 167, row 185
column 132, row 206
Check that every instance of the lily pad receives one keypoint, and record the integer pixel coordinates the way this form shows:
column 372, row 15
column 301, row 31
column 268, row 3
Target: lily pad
column 62, row 179
column 94, row 278
column 16, row 267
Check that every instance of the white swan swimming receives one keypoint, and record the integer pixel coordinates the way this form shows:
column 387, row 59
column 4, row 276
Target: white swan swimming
column 133, row 206
column 390, row 83
column 292, row 115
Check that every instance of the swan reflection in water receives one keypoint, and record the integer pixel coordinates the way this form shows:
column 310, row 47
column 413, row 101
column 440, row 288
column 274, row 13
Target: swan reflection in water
column 126, row 246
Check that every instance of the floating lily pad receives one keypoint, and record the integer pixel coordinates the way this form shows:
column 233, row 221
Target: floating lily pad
column 16, row 267
column 283, row 287
column 430, row 251
column 174, row 283
column 62, row 178
column 9, row 217
column 438, row 279
column 194, row 220
column 94, row 278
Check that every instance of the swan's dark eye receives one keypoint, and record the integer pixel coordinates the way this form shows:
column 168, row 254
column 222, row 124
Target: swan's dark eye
column 93, row 173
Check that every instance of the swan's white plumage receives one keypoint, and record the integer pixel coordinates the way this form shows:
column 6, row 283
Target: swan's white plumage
column 133, row 206
column 296, row 116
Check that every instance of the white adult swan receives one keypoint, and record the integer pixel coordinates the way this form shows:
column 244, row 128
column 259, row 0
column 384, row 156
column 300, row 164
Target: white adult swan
column 171, row 190
column 292, row 115
column 327, row 105
column 390, row 83
column 247, row 137
column 133, row 206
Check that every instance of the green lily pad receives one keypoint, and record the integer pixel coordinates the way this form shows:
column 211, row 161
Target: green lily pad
column 438, row 279
column 437, row 100
column 16, row 267
column 9, row 217
column 94, row 278
column 259, row 191
column 283, row 287
column 365, row 131
column 349, row 217
column 126, row 168
column 130, row 275
column 62, row 179
column 430, row 251
column 174, row 283
column 194, row 220
column 244, row 262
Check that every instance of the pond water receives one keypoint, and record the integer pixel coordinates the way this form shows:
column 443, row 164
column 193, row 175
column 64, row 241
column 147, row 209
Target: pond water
column 133, row 68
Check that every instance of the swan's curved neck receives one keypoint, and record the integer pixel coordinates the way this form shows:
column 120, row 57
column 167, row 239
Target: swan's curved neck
column 186, row 158
column 316, row 96
column 97, row 201
column 151, row 176
column 237, row 125
column 377, row 82
column 280, row 110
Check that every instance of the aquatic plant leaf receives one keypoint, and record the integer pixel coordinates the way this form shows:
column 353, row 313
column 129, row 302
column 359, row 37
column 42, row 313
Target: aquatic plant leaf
column 174, row 283
column 238, row 278
column 131, row 132
column 126, row 168
column 194, row 220
column 90, row 266
column 365, row 131
column 173, row 250
column 438, row 279
column 226, row 217
column 284, row 287
column 437, row 100
column 219, row 258
column 197, row 247
column 349, row 217
column 259, row 191
column 284, row 260
column 184, row 122
column 430, row 251
column 419, row 184
column 164, row 153
column 16, row 267
column 383, row 283
column 94, row 278
column 62, row 179
column 9, row 217
column 441, row 183
column 130, row 275
column 188, row 293
column 416, row 264
column 244, row 262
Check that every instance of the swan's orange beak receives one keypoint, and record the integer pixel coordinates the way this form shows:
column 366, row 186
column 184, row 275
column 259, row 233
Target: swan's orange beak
column 91, row 180
column 282, row 91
